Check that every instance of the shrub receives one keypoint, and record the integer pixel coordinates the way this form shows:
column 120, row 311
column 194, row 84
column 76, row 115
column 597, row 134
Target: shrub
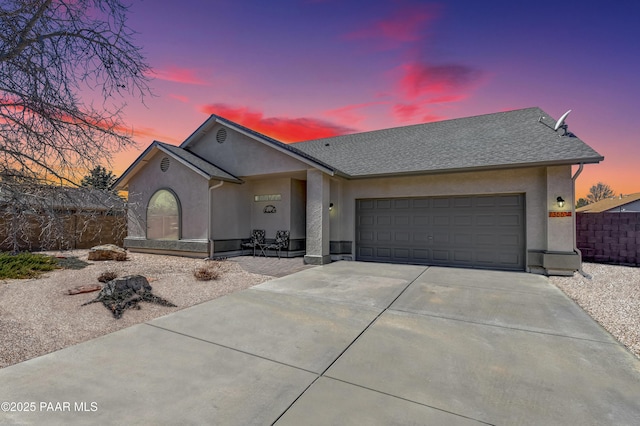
column 211, row 271
column 25, row 265
column 107, row 276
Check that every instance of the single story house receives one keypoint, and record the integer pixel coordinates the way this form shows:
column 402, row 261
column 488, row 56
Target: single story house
column 484, row 192
column 618, row 204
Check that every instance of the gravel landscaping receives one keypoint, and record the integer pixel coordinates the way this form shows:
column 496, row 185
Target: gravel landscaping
column 611, row 297
column 38, row 316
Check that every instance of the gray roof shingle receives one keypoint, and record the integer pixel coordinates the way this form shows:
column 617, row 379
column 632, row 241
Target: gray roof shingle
column 517, row 138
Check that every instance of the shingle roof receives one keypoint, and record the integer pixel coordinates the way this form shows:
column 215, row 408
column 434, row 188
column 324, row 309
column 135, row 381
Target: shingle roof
column 609, row 203
column 210, row 170
column 501, row 140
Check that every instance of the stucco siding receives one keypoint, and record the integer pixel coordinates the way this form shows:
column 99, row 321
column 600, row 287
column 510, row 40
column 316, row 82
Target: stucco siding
column 244, row 156
column 188, row 186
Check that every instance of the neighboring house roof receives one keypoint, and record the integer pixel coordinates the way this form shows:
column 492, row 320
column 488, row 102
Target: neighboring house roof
column 189, row 159
column 62, row 198
column 290, row 149
column 610, row 203
column 519, row 138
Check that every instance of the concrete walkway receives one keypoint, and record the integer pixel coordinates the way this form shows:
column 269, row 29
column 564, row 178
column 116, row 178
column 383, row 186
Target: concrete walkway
column 348, row 343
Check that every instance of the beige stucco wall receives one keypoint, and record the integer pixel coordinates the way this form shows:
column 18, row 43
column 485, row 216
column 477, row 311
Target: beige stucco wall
column 243, row 156
column 560, row 232
column 530, row 181
column 190, row 188
column 234, row 213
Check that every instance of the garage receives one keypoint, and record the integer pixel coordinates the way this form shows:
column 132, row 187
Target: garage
column 477, row 231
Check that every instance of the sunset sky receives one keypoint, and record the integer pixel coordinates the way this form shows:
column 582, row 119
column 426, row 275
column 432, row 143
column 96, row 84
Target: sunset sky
column 304, row 69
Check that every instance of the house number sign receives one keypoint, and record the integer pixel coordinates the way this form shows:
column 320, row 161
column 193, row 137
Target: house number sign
column 559, row 214
column 269, row 209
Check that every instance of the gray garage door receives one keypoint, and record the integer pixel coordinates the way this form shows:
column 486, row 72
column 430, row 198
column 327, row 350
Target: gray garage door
column 480, row 231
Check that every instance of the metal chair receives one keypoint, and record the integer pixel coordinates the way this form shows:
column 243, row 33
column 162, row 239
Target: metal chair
column 281, row 242
column 257, row 239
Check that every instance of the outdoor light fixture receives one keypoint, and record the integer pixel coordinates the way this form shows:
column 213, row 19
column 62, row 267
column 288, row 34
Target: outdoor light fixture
column 560, row 202
column 330, row 206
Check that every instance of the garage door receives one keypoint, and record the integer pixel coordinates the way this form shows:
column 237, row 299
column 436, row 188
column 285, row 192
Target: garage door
column 480, row 231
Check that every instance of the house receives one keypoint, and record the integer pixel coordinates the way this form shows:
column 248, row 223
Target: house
column 483, row 192
column 617, row 204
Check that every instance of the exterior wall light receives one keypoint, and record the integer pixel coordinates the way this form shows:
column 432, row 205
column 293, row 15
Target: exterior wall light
column 330, row 206
column 560, row 202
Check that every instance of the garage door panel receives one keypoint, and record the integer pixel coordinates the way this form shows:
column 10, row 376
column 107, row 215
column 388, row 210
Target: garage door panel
column 383, row 220
column 475, row 231
column 441, row 255
column 402, row 203
column 402, row 220
column 383, row 204
column 365, row 220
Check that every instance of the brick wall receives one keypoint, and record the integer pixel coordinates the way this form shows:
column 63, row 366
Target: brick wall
column 609, row 237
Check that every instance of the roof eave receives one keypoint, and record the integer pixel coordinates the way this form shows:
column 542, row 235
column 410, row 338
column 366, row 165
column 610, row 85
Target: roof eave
column 593, row 160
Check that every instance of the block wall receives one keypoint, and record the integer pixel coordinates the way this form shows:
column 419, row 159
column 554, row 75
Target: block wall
column 609, row 237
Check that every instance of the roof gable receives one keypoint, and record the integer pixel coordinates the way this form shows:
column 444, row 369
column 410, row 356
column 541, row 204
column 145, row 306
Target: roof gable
column 199, row 165
column 517, row 138
column 287, row 149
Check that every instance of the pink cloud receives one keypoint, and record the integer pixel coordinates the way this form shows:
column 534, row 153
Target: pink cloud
column 425, row 79
column 180, row 98
column 284, row 129
column 177, row 75
column 406, row 25
column 349, row 113
column 405, row 112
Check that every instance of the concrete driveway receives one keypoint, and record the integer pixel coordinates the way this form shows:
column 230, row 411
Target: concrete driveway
column 348, row 343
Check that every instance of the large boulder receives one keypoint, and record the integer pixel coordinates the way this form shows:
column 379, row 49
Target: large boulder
column 107, row 252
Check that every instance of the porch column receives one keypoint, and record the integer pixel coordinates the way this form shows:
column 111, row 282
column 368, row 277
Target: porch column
column 317, row 218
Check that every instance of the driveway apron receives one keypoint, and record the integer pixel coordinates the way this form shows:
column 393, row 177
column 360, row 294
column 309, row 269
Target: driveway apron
column 345, row 343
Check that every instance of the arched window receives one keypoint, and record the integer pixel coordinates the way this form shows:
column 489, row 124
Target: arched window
column 163, row 216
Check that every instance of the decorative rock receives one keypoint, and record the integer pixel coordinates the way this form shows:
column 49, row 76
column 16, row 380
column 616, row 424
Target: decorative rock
column 84, row 289
column 107, row 252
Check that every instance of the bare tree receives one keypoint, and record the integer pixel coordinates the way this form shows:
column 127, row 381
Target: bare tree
column 52, row 52
column 56, row 58
column 598, row 192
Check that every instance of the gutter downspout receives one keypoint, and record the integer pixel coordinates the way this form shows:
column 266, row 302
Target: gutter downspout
column 216, row 186
column 575, row 231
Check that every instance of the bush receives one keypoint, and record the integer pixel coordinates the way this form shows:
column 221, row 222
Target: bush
column 107, row 276
column 25, row 265
column 211, row 271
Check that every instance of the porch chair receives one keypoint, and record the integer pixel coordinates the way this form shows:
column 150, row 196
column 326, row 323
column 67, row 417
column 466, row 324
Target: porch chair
column 281, row 242
column 257, row 239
